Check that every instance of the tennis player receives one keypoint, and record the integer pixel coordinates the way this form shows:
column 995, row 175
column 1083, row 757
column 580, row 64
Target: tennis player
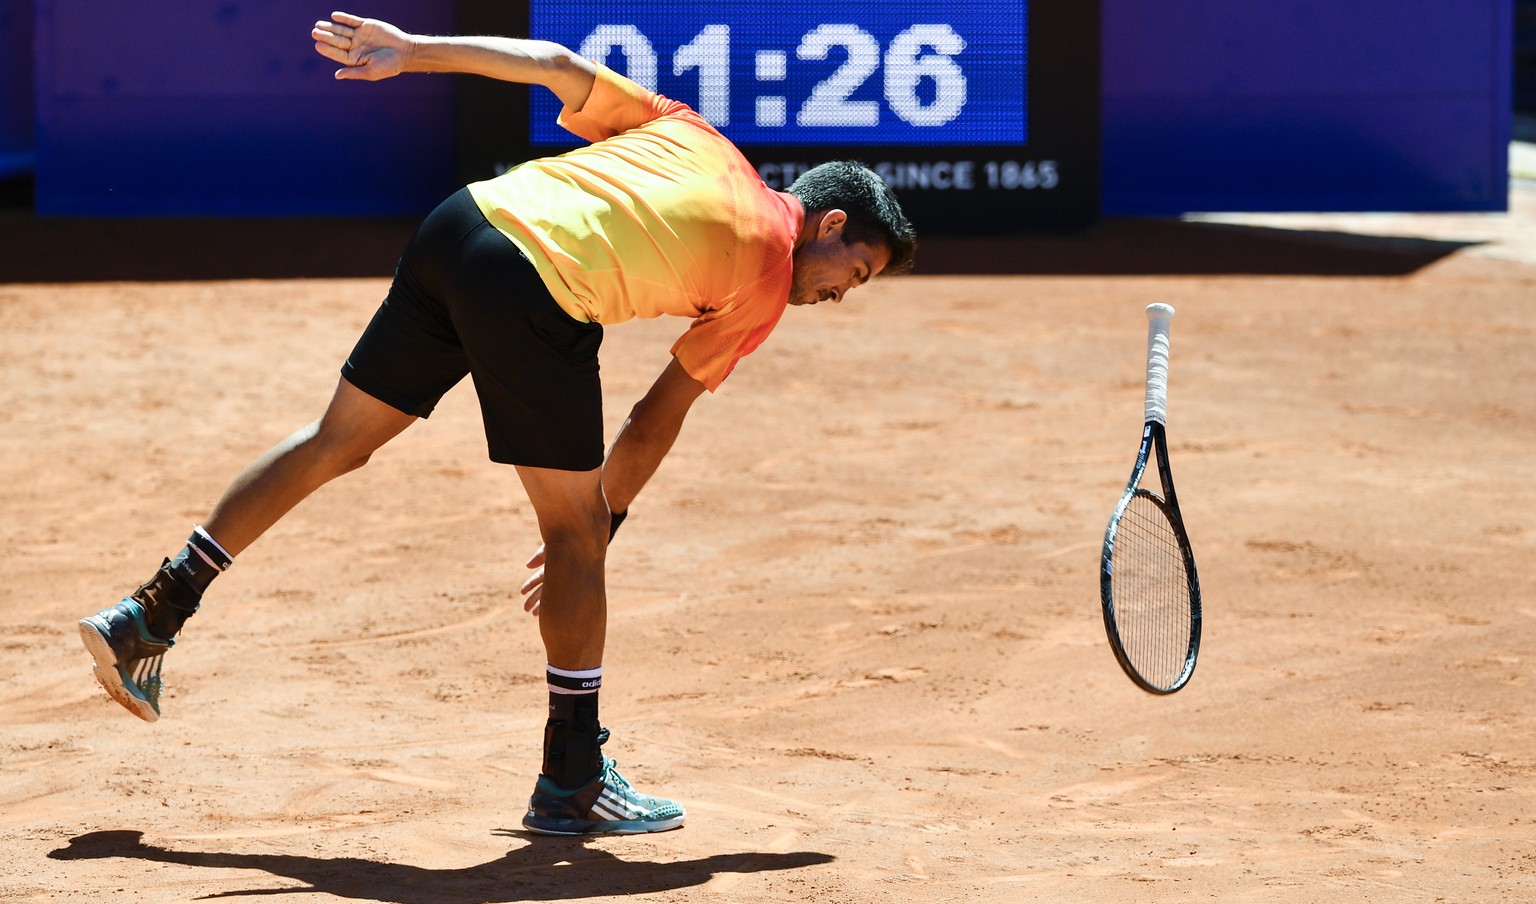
column 512, row 281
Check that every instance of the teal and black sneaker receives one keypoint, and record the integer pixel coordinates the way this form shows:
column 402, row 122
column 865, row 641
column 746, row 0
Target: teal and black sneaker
column 607, row 805
column 127, row 656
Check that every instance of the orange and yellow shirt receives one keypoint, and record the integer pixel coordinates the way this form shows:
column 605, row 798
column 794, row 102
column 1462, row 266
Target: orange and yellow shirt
column 661, row 214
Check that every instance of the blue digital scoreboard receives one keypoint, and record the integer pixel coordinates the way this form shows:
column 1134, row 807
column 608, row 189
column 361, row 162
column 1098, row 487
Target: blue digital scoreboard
column 776, row 72
column 982, row 114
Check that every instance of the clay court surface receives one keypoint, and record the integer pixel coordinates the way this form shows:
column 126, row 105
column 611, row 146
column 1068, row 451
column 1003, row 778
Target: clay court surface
column 854, row 620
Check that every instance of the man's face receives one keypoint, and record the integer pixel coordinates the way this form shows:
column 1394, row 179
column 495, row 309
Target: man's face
column 825, row 268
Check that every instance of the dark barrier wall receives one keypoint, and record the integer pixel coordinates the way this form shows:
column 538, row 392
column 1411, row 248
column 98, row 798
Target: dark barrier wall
column 183, row 107
column 1306, row 105
column 199, row 107
column 15, row 87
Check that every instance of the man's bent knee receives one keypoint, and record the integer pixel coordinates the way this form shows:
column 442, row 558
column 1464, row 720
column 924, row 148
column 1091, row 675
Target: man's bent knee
column 572, row 513
column 583, row 539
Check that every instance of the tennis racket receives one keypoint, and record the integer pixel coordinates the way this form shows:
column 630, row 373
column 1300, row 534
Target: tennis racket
column 1147, row 578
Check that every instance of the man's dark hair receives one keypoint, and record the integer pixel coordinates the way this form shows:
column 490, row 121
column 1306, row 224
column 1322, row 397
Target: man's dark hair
column 874, row 216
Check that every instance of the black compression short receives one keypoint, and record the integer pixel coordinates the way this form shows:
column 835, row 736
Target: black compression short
column 466, row 300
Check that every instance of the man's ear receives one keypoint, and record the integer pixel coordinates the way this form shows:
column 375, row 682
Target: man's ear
column 831, row 221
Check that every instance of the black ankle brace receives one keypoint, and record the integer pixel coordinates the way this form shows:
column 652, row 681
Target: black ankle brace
column 168, row 601
column 573, row 740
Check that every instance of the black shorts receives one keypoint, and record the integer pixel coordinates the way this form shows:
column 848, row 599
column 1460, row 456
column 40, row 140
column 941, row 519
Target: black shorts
column 466, row 301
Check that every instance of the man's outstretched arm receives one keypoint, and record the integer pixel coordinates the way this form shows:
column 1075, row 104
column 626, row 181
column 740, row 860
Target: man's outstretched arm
column 647, row 435
column 371, row 49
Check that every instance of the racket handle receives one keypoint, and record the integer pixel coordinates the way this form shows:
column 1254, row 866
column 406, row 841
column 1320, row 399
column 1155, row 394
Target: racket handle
column 1158, row 323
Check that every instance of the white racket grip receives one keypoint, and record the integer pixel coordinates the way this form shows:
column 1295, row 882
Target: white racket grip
column 1158, row 323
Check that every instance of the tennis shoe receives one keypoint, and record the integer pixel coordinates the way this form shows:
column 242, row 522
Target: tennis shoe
column 607, row 805
column 127, row 656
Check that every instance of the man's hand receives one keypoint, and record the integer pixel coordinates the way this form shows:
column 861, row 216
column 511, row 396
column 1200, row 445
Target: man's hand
column 369, row 49
column 533, row 588
column 373, row 50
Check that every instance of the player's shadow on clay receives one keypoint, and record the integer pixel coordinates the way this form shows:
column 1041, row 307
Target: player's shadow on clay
column 545, row 869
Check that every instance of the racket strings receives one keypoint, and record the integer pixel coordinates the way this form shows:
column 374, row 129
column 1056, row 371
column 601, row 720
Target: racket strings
column 1151, row 593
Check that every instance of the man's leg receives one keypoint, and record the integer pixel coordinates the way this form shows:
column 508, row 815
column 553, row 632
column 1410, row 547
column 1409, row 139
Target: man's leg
column 128, row 640
column 353, row 427
column 573, row 523
column 579, row 791
column 574, row 620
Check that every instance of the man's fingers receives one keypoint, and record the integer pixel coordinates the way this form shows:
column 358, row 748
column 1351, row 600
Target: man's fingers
column 324, row 35
column 338, row 49
column 533, row 588
column 347, row 19
column 331, row 52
